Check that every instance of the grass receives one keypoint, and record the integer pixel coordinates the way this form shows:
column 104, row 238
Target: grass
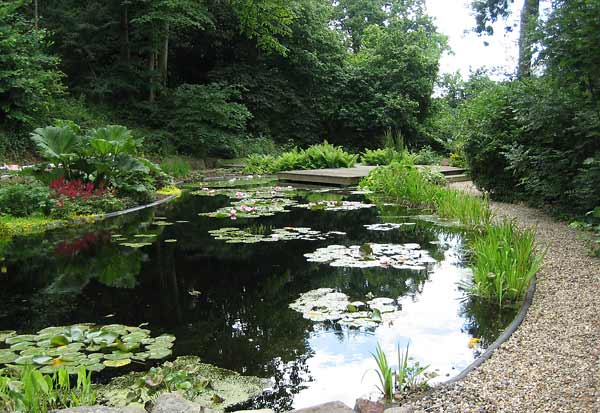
column 384, row 373
column 176, row 166
column 503, row 256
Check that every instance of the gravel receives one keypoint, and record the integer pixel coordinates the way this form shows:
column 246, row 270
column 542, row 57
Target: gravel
column 552, row 362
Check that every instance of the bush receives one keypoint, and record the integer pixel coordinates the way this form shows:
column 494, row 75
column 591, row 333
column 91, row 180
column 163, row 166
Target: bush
column 427, row 156
column 381, row 156
column 25, row 197
column 68, row 208
column 324, row 155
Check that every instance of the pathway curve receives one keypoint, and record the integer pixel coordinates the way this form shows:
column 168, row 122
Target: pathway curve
column 552, row 362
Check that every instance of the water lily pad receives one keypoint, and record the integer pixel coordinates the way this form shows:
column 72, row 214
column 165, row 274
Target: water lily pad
column 335, row 205
column 399, row 256
column 20, row 338
column 117, row 363
column 328, row 305
column 170, row 241
column 68, row 347
column 7, row 334
column 388, row 226
column 135, row 244
column 7, row 357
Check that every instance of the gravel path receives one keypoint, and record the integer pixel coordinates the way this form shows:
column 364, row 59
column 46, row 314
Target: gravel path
column 552, row 362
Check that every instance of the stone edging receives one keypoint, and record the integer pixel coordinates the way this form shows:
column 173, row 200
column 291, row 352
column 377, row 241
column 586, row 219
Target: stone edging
column 101, row 217
column 508, row 331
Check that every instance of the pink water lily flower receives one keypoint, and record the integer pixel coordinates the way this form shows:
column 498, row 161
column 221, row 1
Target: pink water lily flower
column 240, row 194
column 233, row 213
column 246, row 208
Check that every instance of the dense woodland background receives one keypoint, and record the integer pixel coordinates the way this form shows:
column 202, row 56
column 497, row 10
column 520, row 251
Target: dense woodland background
column 225, row 78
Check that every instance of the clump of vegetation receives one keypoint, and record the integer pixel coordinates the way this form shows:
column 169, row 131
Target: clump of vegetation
column 382, row 156
column 505, row 262
column 426, row 156
column 176, row 166
column 591, row 227
column 28, row 390
column 324, row 155
column 409, row 376
column 504, row 257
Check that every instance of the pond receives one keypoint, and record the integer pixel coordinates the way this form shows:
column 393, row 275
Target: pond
column 224, row 283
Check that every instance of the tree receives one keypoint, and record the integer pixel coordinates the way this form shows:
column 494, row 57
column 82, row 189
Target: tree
column 487, row 12
column 29, row 79
column 354, row 16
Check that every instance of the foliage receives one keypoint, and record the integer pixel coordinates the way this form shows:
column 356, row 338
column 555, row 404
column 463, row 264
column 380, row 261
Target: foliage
column 504, row 262
column 504, row 257
column 29, row 78
column 206, row 119
column 25, row 197
column 426, row 156
column 33, row 391
column 73, row 207
column 591, row 230
column 176, row 166
column 381, row 156
column 409, row 376
column 106, row 157
column 384, row 373
column 324, row 155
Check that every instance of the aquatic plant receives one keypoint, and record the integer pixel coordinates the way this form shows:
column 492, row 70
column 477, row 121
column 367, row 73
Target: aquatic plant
column 89, row 345
column 252, row 208
column 384, row 373
column 504, row 257
column 32, row 391
column 504, row 262
column 239, row 236
column 410, row 375
column 176, row 166
column 202, row 383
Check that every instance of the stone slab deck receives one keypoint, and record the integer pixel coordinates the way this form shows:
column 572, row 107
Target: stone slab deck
column 346, row 176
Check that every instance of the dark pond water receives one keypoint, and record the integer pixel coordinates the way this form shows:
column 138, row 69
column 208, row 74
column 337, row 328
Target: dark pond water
column 229, row 303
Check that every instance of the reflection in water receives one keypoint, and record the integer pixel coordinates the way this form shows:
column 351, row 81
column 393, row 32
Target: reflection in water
column 228, row 303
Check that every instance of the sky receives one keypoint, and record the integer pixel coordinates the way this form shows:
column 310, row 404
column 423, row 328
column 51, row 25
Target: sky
column 455, row 19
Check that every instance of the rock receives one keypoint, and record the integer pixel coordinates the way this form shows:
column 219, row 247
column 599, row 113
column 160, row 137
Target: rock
column 255, row 411
column 368, row 406
column 176, row 403
column 101, row 409
column 407, row 408
column 332, row 407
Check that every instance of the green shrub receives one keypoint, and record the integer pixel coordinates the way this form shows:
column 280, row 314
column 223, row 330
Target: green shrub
column 260, row 164
column 324, row 155
column 176, row 166
column 381, row 156
column 24, row 197
column 427, row 156
column 69, row 208
column 504, row 262
column 327, row 155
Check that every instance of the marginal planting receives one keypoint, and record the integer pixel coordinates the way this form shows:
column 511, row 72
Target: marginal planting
column 505, row 262
column 504, row 257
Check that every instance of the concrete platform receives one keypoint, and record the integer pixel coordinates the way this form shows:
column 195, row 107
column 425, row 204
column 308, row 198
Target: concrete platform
column 347, row 176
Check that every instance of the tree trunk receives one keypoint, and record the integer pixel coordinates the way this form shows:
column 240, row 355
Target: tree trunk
column 124, row 35
column 163, row 58
column 151, row 67
column 529, row 18
column 36, row 14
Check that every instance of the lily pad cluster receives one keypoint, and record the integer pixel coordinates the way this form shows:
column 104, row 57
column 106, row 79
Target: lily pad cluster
column 328, row 305
column 239, row 236
column 94, row 347
column 399, row 256
column 388, row 226
column 250, row 193
column 335, row 205
column 202, row 383
column 252, row 208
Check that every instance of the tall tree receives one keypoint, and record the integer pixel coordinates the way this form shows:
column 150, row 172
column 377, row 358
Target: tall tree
column 354, row 16
column 488, row 12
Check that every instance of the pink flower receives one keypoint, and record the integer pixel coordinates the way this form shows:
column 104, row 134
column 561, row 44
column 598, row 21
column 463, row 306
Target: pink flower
column 13, row 167
column 240, row 195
